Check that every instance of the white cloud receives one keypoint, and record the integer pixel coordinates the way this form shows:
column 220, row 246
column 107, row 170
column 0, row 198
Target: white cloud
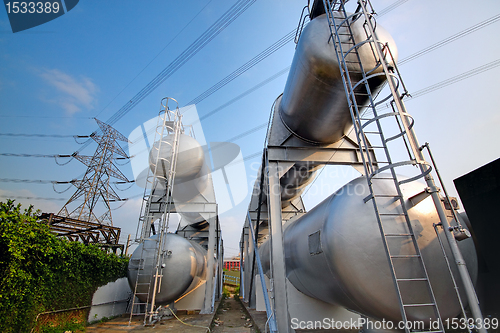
column 72, row 94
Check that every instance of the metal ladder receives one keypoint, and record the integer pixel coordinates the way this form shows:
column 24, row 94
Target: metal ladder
column 356, row 83
column 170, row 122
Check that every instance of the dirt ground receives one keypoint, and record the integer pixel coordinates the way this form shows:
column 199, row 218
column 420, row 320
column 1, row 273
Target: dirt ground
column 231, row 317
column 191, row 323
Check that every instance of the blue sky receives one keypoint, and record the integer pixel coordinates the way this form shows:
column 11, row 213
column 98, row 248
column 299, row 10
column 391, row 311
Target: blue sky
column 89, row 62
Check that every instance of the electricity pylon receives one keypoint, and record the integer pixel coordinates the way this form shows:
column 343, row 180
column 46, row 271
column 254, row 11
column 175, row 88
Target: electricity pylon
column 95, row 185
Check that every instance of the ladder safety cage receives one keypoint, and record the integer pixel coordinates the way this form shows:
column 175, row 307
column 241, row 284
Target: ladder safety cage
column 158, row 194
column 355, row 79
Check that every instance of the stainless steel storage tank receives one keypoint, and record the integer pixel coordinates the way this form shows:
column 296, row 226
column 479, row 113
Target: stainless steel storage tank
column 294, row 181
column 191, row 173
column 314, row 105
column 335, row 253
column 190, row 158
column 184, row 268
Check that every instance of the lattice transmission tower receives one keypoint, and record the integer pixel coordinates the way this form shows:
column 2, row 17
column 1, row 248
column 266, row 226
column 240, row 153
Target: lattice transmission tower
column 95, row 185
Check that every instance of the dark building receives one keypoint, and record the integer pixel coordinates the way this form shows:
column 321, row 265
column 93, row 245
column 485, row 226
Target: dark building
column 479, row 191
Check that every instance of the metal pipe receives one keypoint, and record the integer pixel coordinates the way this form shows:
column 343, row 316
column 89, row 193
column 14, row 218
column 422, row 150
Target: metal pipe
column 269, row 313
column 441, row 182
column 457, row 255
column 207, row 307
column 242, row 282
column 452, row 277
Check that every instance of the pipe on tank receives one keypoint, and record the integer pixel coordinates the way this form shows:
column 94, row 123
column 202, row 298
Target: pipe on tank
column 184, row 268
column 314, row 105
column 335, row 253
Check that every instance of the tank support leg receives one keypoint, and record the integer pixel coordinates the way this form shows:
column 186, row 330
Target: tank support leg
column 277, row 251
column 207, row 306
column 246, row 259
column 251, row 281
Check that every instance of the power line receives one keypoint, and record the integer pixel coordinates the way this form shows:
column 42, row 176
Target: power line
column 43, row 117
column 237, row 98
column 51, row 199
column 285, row 70
column 40, row 181
column 227, row 18
column 149, row 63
column 415, row 95
column 391, row 7
column 249, row 91
column 43, row 135
column 213, row 31
column 60, row 199
column 36, row 181
column 261, row 56
column 251, row 156
column 32, row 155
column 165, row 73
column 253, row 130
column 419, row 93
column 47, row 156
column 281, row 42
column 245, row 67
column 457, row 78
column 450, row 39
column 31, row 198
column 447, row 82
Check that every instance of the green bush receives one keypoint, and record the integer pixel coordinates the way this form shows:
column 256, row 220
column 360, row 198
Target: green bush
column 41, row 272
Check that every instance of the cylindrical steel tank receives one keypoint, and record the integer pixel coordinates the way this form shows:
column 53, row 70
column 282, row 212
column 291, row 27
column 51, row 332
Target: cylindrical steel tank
column 190, row 158
column 295, row 180
column 314, row 105
column 185, row 267
column 191, row 172
column 335, row 253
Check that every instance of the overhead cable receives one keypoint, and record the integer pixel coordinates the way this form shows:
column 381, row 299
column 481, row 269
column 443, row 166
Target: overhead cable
column 450, row 39
column 227, row 18
column 245, row 67
column 391, row 7
column 40, row 181
column 421, row 92
column 213, row 31
column 151, row 61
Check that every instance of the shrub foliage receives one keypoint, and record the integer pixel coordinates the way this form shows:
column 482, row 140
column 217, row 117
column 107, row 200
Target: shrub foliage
column 41, row 272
